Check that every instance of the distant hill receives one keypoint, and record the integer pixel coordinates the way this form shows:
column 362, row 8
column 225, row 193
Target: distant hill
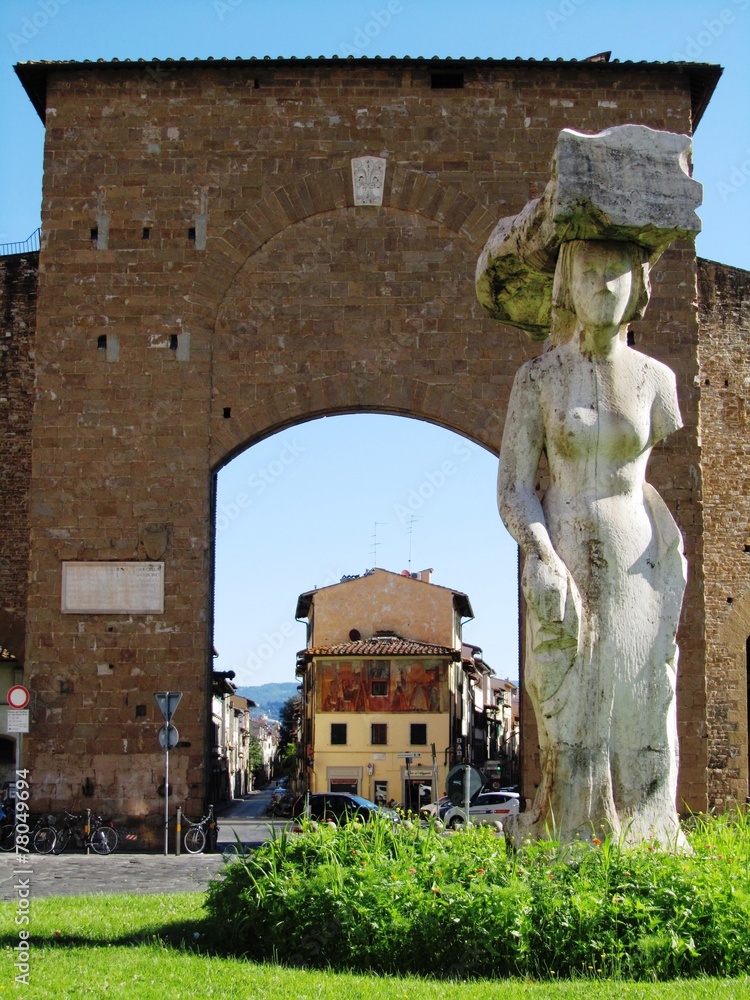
column 269, row 697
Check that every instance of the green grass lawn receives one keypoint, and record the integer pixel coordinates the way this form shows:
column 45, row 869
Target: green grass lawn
column 145, row 947
column 453, row 909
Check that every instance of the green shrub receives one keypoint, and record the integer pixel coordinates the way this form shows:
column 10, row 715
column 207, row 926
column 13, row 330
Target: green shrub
column 393, row 899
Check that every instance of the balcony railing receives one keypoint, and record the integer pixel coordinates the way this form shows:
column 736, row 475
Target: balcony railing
column 25, row 246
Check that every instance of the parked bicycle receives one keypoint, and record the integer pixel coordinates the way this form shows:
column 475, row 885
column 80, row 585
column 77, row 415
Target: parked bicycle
column 52, row 838
column 7, row 828
column 201, row 834
column 43, row 835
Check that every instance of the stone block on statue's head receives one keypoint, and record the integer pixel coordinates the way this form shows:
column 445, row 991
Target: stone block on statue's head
column 628, row 183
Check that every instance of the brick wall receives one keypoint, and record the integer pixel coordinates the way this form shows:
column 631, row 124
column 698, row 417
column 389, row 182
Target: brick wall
column 301, row 304
column 725, row 430
column 18, row 285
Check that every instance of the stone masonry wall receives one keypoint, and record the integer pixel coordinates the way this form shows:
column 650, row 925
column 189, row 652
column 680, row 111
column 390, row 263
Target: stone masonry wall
column 18, row 287
column 725, row 432
column 158, row 360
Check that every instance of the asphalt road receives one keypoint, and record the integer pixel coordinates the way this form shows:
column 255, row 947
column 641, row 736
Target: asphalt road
column 73, row 874
column 246, row 820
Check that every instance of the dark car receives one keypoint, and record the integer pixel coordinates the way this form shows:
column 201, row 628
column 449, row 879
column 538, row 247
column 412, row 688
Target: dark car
column 339, row 807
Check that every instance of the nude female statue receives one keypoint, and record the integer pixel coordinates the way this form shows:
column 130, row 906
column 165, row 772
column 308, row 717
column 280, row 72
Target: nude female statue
column 604, row 572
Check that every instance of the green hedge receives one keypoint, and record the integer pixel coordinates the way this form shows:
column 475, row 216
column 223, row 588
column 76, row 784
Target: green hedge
column 394, row 900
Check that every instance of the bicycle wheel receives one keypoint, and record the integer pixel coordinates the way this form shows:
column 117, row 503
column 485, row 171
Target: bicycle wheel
column 7, row 836
column 62, row 839
column 195, row 840
column 44, row 839
column 103, row 839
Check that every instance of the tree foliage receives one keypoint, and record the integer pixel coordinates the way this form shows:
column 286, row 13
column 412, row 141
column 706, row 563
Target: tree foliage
column 289, row 721
column 255, row 756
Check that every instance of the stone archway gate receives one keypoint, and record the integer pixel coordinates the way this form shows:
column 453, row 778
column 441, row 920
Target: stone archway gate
column 207, row 277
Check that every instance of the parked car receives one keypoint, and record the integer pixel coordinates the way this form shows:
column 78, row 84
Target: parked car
column 282, row 799
column 339, row 807
column 434, row 809
column 486, row 807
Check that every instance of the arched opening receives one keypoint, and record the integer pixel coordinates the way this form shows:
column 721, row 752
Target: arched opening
column 334, row 498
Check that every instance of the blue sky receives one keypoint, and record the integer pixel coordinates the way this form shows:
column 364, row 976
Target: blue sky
column 266, row 552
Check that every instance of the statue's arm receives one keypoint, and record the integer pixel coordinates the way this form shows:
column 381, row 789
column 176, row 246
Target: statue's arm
column 665, row 409
column 544, row 579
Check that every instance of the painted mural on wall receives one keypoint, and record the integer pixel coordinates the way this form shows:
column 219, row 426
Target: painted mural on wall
column 382, row 686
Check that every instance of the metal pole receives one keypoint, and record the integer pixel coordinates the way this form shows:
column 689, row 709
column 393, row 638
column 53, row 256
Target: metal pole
column 435, row 795
column 211, row 829
column 467, row 790
column 87, row 831
column 166, row 795
column 178, row 831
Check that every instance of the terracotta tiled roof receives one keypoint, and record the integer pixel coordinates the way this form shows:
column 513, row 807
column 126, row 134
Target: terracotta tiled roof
column 382, row 646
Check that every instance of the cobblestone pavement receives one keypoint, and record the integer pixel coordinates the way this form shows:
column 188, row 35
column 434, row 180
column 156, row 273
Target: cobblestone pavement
column 79, row 874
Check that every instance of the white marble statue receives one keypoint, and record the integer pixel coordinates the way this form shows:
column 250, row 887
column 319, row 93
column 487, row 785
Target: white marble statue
column 604, row 572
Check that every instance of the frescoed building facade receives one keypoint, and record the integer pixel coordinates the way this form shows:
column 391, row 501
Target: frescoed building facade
column 389, row 700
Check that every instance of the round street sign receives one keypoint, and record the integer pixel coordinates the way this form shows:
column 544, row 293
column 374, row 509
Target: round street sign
column 454, row 786
column 18, row 696
column 168, row 737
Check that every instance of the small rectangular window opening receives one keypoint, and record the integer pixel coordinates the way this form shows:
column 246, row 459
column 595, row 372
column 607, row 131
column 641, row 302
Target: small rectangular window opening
column 140, row 711
column 227, row 412
column 447, row 81
column 173, row 342
column 101, row 342
column 379, row 734
column 338, row 733
column 419, row 734
column 191, row 234
column 95, row 233
column 146, row 233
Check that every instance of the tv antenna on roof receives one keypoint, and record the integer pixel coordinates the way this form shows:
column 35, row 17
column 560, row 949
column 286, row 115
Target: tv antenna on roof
column 410, row 532
column 375, row 542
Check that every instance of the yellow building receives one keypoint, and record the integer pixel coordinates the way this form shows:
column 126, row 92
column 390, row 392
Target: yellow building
column 388, row 700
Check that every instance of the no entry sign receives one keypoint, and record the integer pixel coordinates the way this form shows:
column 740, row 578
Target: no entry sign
column 18, row 696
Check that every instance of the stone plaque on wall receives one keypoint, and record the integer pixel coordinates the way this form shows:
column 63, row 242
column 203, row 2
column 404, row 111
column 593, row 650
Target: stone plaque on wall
column 368, row 179
column 113, row 588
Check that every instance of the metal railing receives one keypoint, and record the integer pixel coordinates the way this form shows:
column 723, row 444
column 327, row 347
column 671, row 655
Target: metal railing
column 25, row 246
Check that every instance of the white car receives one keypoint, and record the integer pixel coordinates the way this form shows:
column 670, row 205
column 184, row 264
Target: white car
column 433, row 809
column 487, row 807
